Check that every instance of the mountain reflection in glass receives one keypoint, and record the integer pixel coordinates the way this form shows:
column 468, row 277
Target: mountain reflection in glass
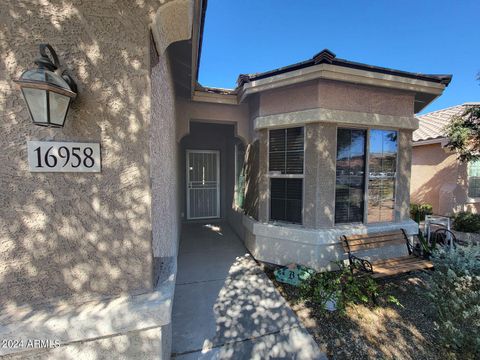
column 382, row 164
column 350, row 176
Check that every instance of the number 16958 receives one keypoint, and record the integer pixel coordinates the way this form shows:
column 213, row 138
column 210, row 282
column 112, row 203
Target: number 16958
column 49, row 156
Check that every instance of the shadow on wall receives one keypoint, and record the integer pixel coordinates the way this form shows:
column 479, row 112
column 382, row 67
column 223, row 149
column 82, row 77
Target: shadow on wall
column 77, row 236
column 251, row 170
column 296, row 249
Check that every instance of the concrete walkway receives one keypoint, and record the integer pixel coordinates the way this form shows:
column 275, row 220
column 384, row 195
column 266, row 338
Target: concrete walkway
column 225, row 307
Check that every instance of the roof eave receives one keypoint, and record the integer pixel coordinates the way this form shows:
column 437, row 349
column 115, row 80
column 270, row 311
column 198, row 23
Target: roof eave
column 430, row 89
column 438, row 140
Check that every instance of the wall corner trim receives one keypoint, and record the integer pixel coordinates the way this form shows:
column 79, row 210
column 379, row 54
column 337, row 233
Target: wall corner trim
column 335, row 116
column 173, row 22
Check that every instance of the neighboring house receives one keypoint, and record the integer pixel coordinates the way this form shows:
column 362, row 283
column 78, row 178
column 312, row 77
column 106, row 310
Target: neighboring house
column 438, row 177
column 292, row 159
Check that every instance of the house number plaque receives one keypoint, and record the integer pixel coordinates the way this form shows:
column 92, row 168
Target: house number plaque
column 54, row 156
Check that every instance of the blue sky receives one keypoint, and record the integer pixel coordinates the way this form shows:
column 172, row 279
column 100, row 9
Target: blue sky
column 434, row 37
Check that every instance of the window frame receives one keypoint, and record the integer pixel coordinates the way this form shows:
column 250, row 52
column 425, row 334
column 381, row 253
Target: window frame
column 366, row 175
column 471, row 199
column 276, row 175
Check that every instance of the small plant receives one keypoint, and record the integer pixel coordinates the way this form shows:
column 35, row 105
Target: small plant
column 426, row 247
column 454, row 291
column 341, row 287
column 418, row 211
column 467, row 222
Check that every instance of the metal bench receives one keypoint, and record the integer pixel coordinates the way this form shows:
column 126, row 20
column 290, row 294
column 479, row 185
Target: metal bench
column 386, row 267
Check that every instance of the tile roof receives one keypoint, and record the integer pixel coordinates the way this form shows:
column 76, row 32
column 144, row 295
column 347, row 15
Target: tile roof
column 328, row 57
column 431, row 125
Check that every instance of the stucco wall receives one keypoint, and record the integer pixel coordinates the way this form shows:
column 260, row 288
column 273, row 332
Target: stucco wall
column 163, row 168
column 316, row 248
column 263, row 182
column 404, row 166
column 290, row 98
column 352, row 97
column 336, row 95
column 319, row 198
column 237, row 115
column 440, row 180
column 78, row 235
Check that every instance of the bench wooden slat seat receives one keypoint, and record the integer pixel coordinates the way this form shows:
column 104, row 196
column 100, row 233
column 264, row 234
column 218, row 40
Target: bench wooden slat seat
column 384, row 267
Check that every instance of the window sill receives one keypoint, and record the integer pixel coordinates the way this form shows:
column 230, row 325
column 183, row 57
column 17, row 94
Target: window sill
column 475, row 200
column 285, row 223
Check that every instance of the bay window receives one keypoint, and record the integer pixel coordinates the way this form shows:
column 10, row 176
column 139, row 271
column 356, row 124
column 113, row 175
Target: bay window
column 382, row 165
column 362, row 174
column 285, row 155
column 350, row 176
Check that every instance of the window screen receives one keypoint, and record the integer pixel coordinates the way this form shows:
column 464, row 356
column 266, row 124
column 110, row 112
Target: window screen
column 382, row 164
column 474, row 179
column 286, row 200
column 350, row 176
column 286, row 151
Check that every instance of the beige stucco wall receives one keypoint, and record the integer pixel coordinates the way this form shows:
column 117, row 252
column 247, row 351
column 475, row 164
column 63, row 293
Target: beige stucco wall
column 361, row 98
column 79, row 236
column 70, row 243
column 165, row 184
column 336, row 95
column 320, row 152
column 439, row 179
column 237, row 115
column 404, row 166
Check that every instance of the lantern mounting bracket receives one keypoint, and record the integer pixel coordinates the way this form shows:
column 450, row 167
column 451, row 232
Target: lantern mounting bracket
column 43, row 61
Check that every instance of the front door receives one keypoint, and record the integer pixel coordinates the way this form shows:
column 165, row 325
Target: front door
column 203, row 184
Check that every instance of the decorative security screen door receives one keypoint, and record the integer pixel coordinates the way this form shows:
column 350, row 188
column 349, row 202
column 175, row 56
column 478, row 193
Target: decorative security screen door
column 203, row 184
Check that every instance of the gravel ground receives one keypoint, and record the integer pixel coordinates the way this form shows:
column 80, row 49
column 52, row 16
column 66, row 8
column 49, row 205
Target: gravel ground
column 387, row 331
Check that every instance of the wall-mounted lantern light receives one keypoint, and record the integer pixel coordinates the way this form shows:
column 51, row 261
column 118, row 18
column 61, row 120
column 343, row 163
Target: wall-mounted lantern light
column 48, row 95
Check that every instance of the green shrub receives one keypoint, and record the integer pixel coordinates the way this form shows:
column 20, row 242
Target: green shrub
column 454, row 290
column 466, row 222
column 418, row 211
column 342, row 287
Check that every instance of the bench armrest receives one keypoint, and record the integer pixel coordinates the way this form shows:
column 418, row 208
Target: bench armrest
column 360, row 264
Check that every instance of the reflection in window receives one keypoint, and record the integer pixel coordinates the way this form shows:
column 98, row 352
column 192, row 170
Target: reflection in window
column 350, row 176
column 382, row 163
column 474, row 179
column 286, row 200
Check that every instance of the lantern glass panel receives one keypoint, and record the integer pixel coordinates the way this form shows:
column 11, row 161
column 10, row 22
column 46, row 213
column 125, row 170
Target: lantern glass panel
column 37, row 103
column 58, row 107
column 45, row 75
